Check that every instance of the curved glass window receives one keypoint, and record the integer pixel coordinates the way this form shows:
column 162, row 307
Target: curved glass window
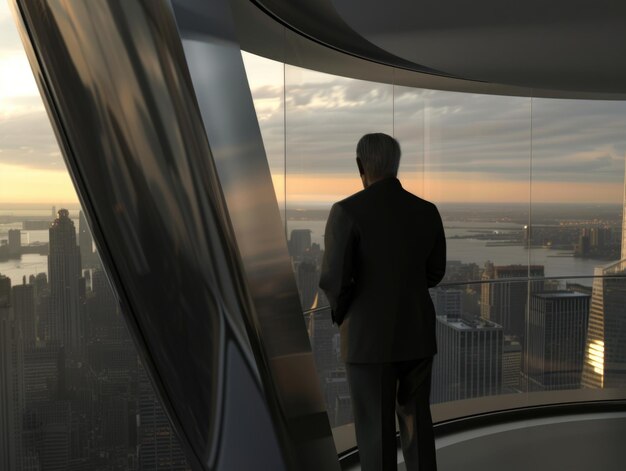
column 73, row 392
column 532, row 195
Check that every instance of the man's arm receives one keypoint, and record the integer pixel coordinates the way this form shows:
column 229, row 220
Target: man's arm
column 436, row 261
column 337, row 266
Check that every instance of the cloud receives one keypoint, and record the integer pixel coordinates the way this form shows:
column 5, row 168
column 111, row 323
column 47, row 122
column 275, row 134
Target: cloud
column 27, row 139
column 484, row 135
column 480, row 136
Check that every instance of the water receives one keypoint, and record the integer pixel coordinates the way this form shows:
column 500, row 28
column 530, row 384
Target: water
column 476, row 251
column 464, row 250
column 30, row 264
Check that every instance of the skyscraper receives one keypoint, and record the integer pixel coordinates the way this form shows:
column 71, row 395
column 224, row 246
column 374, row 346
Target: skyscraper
column 321, row 333
column 469, row 359
column 24, row 312
column 106, row 322
column 64, row 321
column 299, row 242
column 307, row 279
column 158, row 445
column 505, row 302
column 337, row 396
column 605, row 350
column 556, row 335
column 85, row 241
column 511, row 365
column 448, row 302
column 5, row 291
column 15, row 242
column 11, row 390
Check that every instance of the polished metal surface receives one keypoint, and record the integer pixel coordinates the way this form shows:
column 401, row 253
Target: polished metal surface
column 558, row 45
column 262, row 31
column 225, row 102
column 577, row 441
column 319, row 21
column 115, row 83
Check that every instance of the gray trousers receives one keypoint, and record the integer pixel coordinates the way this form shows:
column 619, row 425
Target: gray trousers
column 381, row 391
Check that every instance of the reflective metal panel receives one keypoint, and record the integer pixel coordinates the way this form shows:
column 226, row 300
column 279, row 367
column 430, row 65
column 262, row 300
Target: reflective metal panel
column 219, row 79
column 114, row 79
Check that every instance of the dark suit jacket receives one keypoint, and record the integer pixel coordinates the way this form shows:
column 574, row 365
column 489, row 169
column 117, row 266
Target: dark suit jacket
column 384, row 247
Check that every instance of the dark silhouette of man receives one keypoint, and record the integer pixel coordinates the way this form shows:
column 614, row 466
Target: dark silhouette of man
column 384, row 247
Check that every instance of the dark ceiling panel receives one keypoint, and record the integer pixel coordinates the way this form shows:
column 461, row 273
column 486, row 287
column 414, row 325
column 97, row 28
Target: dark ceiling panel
column 318, row 20
column 560, row 47
column 563, row 45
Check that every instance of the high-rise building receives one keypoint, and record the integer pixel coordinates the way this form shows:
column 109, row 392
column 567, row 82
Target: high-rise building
column 505, row 302
column 511, row 364
column 64, row 269
column 105, row 320
column 53, row 431
column 15, row 242
column 307, row 278
column 158, row 445
column 469, row 359
column 555, row 339
column 85, row 241
column 11, row 391
column 299, row 242
column 40, row 281
column 321, row 334
column 5, row 290
column 605, row 349
column 24, row 312
column 41, row 374
column 337, row 396
column 448, row 302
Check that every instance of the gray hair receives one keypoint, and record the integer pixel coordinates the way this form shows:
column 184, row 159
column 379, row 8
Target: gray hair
column 380, row 155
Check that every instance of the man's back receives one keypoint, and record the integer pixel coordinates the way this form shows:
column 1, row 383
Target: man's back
column 384, row 248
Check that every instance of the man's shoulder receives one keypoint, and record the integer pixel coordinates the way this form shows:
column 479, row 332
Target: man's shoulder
column 420, row 202
column 362, row 198
column 353, row 199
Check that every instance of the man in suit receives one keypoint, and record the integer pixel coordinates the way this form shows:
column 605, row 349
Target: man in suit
column 384, row 247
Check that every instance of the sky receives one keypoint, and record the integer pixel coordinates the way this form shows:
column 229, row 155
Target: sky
column 457, row 147
column 31, row 167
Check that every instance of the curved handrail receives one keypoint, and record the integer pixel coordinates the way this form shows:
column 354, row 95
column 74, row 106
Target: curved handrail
column 500, row 280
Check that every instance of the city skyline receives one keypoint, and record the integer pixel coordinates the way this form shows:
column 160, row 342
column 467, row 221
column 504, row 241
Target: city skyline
column 78, row 395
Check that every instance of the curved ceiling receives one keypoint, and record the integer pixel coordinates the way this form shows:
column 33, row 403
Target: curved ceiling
column 574, row 45
column 319, row 21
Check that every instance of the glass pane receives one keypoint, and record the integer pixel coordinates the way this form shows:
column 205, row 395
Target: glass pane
column 577, row 184
column 331, row 370
column 326, row 116
column 576, row 333
column 75, row 395
column 266, row 80
column 476, row 357
column 408, row 128
column 476, row 169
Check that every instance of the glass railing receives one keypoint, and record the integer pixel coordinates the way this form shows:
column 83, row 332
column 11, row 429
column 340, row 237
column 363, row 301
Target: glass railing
column 504, row 344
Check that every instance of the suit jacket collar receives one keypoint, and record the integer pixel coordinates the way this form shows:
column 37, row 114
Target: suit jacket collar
column 389, row 181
